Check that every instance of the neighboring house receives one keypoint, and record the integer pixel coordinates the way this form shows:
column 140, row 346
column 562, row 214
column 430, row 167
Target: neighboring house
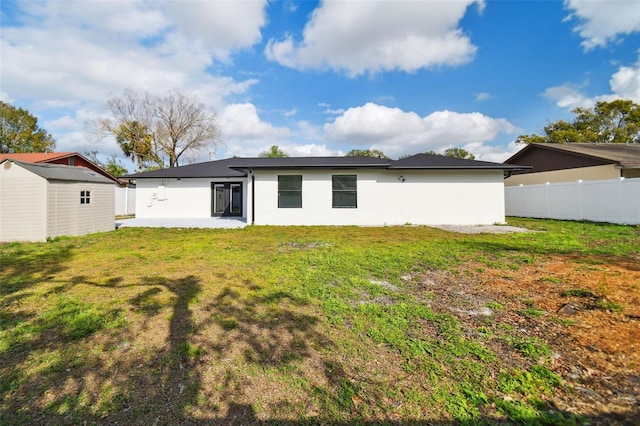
column 62, row 158
column 38, row 201
column 570, row 162
column 422, row 189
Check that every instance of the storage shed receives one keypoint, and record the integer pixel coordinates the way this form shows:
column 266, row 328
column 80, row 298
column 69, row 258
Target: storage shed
column 38, row 201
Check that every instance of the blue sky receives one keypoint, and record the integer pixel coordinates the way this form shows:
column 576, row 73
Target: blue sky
column 322, row 78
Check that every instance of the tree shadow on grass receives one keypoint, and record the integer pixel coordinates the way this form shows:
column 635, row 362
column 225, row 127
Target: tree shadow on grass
column 58, row 374
column 107, row 376
column 26, row 265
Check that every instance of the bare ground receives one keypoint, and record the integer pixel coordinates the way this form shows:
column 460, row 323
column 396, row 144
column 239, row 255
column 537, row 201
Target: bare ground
column 586, row 310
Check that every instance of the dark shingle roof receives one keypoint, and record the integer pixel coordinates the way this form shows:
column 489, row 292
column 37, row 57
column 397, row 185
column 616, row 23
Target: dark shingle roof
column 308, row 162
column 236, row 167
column 428, row 161
column 209, row 169
column 59, row 172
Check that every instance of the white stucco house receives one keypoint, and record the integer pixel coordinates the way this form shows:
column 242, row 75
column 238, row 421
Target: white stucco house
column 421, row 190
column 39, row 200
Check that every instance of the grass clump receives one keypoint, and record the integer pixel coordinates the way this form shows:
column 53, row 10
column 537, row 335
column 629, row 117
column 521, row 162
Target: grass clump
column 532, row 347
column 608, row 305
column 577, row 292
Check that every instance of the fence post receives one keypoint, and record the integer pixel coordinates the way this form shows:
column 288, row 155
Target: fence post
column 521, row 194
column 546, row 200
column 621, row 209
column 126, row 200
column 580, row 209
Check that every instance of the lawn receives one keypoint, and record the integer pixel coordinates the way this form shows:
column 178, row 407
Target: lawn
column 322, row 325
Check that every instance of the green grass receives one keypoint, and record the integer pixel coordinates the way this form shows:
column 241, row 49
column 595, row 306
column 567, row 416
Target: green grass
column 577, row 292
column 288, row 324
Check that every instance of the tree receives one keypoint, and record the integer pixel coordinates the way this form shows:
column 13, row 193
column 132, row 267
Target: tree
column 459, row 153
column 113, row 165
column 273, row 152
column 155, row 130
column 455, row 153
column 608, row 122
column 19, row 132
column 373, row 153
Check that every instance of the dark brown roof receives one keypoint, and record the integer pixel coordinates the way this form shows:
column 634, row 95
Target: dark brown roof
column 37, row 157
column 624, row 155
column 236, row 167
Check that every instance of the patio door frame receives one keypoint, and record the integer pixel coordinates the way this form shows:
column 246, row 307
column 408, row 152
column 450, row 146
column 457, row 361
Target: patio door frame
column 228, row 199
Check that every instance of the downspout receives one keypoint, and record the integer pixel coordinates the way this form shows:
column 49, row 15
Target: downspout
column 253, row 197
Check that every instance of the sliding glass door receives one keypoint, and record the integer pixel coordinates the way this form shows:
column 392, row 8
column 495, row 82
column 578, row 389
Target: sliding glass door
column 226, row 199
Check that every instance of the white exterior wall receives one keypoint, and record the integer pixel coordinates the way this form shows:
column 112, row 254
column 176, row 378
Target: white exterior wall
column 187, row 197
column 424, row 198
column 23, row 204
column 66, row 216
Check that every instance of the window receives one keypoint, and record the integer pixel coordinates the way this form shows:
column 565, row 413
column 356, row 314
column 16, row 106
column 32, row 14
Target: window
column 290, row 191
column 345, row 191
column 85, row 197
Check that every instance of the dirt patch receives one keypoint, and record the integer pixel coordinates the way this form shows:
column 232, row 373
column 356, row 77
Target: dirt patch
column 586, row 310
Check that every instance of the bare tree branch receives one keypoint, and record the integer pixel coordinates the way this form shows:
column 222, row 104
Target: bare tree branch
column 158, row 131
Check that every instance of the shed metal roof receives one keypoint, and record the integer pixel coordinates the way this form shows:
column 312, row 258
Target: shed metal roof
column 51, row 157
column 60, row 172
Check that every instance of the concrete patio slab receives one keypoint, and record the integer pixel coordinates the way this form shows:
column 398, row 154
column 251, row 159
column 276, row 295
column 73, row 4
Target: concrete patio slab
column 482, row 229
column 197, row 222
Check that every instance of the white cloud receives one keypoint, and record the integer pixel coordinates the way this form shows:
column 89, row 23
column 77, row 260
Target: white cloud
column 312, row 150
column 497, row 153
column 84, row 51
column 4, row 97
column 483, row 96
column 601, row 22
column 222, row 25
column 398, row 132
column 290, row 113
column 62, row 56
column 368, row 37
column 244, row 133
column 241, row 121
column 568, row 96
column 624, row 84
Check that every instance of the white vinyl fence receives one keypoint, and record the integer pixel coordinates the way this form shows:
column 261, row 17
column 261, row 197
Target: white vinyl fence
column 614, row 201
column 125, row 201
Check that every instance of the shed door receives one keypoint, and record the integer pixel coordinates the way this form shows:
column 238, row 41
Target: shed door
column 226, row 199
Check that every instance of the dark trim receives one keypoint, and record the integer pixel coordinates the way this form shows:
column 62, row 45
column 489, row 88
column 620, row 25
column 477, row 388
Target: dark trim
column 253, row 197
column 239, row 167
